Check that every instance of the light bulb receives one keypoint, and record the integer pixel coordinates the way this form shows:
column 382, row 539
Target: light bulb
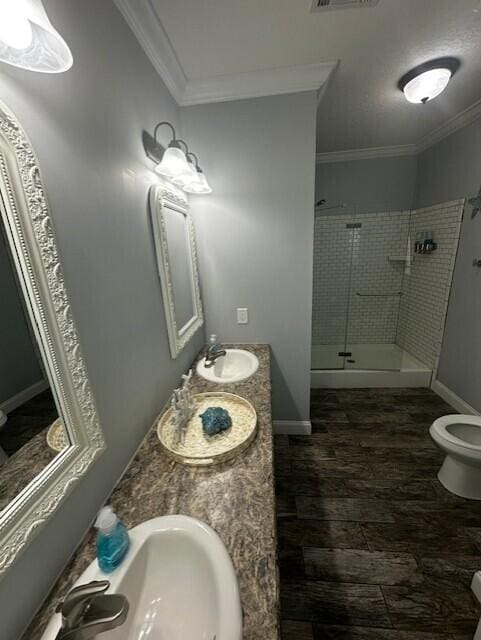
column 15, row 27
column 426, row 86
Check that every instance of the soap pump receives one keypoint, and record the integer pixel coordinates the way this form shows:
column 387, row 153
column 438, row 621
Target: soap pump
column 113, row 540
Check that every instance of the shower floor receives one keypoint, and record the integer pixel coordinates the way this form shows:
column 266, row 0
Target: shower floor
column 375, row 365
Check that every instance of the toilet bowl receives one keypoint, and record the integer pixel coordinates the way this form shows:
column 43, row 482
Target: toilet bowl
column 459, row 436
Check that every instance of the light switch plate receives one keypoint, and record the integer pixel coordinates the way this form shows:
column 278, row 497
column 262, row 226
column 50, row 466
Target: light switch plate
column 242, row 315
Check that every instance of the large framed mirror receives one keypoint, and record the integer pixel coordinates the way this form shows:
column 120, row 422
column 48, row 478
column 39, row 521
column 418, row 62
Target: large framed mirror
column 49, row 428
column 177, row 263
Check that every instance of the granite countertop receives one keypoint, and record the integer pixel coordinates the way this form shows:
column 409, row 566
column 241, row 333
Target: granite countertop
column 236, row 498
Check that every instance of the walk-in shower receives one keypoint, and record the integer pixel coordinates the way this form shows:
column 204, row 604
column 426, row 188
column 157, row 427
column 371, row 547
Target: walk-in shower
column 379, row 307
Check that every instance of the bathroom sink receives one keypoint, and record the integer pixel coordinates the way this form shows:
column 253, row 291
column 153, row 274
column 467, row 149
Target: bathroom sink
column 235, row 366
column 179, row 581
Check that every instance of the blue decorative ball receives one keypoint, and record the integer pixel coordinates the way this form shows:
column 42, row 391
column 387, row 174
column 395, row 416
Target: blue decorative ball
column 215, row 420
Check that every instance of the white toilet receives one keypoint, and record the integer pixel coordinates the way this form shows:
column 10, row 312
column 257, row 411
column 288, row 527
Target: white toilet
column 459, row 436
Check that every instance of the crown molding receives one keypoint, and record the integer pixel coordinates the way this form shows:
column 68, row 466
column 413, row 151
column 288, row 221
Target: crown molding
column 458, row 121
column 255, row 84
column 147, row 26
column 366, row 154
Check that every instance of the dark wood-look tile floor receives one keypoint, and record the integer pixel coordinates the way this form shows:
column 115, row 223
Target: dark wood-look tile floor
column 371, row 546
column 25, row 422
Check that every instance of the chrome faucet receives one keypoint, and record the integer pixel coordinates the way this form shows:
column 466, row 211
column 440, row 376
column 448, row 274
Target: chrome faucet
column 214, row 351
column 88, row 611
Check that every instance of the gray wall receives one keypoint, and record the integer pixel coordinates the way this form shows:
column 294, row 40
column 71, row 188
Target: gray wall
column 85, row 126
column 378, row 184
column 256, row 231
column 449, row 170
column 19, row 367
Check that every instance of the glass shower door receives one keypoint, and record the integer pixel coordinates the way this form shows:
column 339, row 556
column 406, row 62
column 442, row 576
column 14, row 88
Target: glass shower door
column 376, row 289
column 331, row 289
column 359, row 274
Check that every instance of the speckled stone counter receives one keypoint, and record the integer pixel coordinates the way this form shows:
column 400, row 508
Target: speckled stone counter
column 236, row 498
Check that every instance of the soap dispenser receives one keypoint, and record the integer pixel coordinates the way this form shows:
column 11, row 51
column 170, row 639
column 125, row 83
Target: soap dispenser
column 113, row 540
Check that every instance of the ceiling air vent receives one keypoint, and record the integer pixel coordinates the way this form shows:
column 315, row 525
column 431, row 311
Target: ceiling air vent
column 330, row 5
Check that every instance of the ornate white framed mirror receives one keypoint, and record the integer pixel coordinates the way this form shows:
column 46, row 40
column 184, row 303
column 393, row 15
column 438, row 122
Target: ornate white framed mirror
column 177, row 263
column 50, row 433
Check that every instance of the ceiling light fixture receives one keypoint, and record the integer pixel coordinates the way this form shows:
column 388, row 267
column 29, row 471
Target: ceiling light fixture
column 177, row 165
column 28, row 39
column 426, row 81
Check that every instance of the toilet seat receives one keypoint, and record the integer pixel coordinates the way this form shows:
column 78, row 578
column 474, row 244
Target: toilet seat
column 440, row 428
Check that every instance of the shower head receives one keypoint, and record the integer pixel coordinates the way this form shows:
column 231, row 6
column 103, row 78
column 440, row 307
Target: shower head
column 320, row 205
column 476, row 204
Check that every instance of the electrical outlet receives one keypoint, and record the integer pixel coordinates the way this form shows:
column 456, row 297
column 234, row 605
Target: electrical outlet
column 242, row 315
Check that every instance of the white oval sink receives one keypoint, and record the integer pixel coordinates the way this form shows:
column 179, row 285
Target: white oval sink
column 235, row 366
column 179, row 581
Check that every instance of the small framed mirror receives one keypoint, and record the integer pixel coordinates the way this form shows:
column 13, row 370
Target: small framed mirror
column 49, row 428
column 177, row 263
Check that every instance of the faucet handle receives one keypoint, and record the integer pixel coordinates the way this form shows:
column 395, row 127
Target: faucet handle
column 78, row 599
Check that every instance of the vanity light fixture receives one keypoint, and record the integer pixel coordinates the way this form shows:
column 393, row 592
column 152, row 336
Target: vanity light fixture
column 28, row 39
column 178, row 166
column 189, row 174
column 174, row 161
column 426, row 81
column 199, row 185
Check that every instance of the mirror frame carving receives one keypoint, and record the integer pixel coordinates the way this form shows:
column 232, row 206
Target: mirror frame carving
column 27, row 221
column 166, row 196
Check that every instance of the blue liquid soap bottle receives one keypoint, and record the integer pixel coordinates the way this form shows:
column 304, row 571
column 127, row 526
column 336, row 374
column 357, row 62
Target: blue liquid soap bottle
column 113, row 540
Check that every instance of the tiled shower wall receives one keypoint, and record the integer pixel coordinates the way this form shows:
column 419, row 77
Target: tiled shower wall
column 426, row 290
column 370, row 290
column 415, row 319
column 376, row 282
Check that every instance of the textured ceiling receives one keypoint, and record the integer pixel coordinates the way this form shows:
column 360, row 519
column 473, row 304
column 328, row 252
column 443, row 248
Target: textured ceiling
column 362, row 106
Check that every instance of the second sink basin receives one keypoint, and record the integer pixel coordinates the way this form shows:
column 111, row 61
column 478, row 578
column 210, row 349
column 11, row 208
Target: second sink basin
column 235, row 366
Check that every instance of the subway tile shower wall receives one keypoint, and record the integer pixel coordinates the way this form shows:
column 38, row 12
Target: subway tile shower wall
column 426, row 290
column 362, row 304
column 339, row 289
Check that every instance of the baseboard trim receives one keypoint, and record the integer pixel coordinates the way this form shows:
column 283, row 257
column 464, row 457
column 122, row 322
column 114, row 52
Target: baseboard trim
column 292, row 427
column 23, row 396
column 454, row 400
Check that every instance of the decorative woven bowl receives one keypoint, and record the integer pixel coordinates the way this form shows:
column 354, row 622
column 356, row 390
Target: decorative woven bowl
column 57, row 438
column 201, row 449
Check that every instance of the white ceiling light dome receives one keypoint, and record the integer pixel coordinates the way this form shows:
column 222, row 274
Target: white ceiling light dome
column 28, row 39
column 427, row 86
column 426, row 81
